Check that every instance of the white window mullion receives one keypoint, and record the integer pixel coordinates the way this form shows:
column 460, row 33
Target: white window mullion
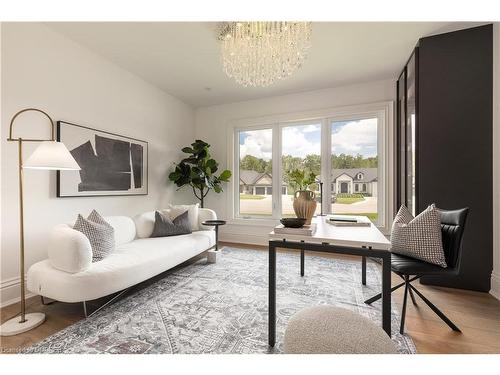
column 277, row 172
column 326, row 170
column 235, row 204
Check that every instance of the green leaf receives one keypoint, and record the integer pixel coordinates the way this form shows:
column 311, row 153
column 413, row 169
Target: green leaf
column 202, row 154
column 188, row 150
column 224, row 176
column 190, row 160
column 212, row 164
column 174, row 176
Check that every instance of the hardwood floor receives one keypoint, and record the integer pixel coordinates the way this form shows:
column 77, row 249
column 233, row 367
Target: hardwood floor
column 477, row 315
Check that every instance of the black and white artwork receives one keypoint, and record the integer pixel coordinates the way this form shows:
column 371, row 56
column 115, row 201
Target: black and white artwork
column 110, row 164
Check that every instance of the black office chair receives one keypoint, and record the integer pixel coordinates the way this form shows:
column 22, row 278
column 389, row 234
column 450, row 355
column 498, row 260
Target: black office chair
column 410, row 269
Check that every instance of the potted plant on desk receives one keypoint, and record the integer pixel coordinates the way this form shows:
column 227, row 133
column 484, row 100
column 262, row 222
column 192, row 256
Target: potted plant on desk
column 304, row 202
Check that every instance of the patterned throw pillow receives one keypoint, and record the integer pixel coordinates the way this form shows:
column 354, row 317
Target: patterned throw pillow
column 100, row 233
column 418, row 237
column 164, row 226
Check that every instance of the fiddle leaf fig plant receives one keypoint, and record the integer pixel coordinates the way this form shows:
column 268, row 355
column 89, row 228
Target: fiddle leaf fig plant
column 198, row 170
column 301, row 180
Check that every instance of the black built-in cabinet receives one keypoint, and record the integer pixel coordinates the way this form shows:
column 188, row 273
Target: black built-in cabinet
column 444, row 141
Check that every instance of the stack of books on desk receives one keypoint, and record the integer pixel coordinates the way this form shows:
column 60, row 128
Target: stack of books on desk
column 306, row 230
column 348, row 221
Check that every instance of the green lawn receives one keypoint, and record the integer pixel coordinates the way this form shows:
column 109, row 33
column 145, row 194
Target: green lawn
column 250, row 196
column 349, row 200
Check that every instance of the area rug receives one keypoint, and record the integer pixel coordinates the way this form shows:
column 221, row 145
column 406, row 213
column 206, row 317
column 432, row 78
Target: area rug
column 222, row 307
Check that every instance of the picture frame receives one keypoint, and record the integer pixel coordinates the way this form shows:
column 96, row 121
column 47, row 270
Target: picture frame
column 111, row 164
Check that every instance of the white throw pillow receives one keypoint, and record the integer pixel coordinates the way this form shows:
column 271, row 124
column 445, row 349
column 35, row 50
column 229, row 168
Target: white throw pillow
column 193, row 212
column 144, row 224
column 69, row 250
column 124, row 228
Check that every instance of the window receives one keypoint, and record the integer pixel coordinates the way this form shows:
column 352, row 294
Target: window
column 300, row 149
column 346, row 149
column 255, row 168
column 354, row 147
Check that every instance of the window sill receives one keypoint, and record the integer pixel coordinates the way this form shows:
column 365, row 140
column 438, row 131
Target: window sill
column 256, row 222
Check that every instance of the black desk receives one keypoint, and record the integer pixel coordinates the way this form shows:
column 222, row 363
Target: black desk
column 329, row 239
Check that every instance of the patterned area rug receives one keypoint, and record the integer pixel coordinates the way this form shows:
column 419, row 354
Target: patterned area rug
column 222, row 307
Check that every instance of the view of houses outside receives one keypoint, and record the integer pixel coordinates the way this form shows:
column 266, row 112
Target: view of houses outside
column 353, row 158
column 256, row 172
column 355, row 167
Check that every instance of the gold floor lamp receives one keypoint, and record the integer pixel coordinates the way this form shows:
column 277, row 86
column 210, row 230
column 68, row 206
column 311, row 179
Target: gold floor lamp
column 50, row 155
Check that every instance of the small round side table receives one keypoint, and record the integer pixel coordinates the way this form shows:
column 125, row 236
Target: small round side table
column 216, row 224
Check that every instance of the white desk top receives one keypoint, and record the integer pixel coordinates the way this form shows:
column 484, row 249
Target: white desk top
column 340, row 236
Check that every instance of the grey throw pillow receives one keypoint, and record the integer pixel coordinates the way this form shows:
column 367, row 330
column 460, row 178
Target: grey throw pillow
column 164, row 226
column 418, row 237
column 100, row 233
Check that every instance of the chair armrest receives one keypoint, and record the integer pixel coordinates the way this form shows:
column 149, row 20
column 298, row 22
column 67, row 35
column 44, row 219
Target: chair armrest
column 206, row 214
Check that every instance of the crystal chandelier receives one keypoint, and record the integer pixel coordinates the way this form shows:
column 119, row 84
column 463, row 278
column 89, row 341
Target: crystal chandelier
column 260, row 53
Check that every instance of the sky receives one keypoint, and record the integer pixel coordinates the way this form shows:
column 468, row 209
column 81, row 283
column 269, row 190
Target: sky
column 348, row 137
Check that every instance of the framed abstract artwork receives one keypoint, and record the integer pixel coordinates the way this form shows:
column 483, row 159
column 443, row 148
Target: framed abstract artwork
column 111, row 164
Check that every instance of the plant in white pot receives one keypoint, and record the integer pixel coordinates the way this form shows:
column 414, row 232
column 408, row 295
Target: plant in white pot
column 304, row 202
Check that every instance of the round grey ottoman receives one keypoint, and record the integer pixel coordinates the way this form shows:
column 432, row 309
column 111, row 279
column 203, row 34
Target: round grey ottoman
column 330, row 329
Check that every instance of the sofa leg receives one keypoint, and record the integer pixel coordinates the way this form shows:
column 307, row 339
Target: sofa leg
column 103, row 305
column 212, row 256
column 45, row 303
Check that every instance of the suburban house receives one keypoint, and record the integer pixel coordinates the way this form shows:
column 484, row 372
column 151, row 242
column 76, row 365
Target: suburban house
column 356, row 180
column 257, row 183
column 350, row 181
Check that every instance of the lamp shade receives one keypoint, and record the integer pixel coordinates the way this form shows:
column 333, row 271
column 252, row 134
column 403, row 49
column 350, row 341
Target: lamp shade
column 51, row 155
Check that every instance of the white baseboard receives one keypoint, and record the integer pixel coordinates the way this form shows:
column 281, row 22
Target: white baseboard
column 9, row 291
column 495, row 285
column 15, row 300
column 251, row 239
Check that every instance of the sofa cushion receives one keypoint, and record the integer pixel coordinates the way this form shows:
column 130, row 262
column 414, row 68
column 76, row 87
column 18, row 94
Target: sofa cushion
column 144, row 224
column 193, row 213
column 99, row 232
column 205, row 214
column 69, row 250
column 124, row 228
column 165, row 226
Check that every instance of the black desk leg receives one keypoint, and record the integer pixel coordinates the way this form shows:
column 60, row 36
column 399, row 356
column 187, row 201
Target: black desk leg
column 272, row 296
column 302, row 259
column 363, row 270
column 386, row 294
column 216, row 238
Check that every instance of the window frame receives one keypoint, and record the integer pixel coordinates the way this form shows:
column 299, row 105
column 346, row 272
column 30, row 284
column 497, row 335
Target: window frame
column 384, row 113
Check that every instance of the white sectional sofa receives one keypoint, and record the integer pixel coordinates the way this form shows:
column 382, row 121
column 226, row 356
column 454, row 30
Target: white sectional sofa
column 68, row 275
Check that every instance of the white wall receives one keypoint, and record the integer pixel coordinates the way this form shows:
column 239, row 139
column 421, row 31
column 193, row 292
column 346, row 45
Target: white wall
column 43, row 69
column 211, row 125
column 495, row 277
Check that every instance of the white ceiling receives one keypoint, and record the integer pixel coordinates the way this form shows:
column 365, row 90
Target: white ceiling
column 182, row 58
